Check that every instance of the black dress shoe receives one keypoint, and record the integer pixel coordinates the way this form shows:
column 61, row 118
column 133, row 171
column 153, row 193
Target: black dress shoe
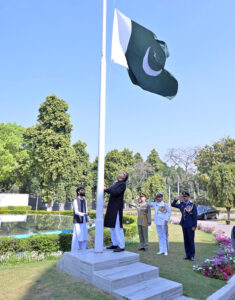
column 111, row 247
column 186, row 257
column 118, row 249
column 141, row 249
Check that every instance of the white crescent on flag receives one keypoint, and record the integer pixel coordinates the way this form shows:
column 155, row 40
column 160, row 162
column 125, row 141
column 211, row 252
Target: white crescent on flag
column 146, row 67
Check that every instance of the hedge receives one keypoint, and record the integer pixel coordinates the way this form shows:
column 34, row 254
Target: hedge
column 54, row 242
column 15, row 209
column 42, row 212
column 40, row 243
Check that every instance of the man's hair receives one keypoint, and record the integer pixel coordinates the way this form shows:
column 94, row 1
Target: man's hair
column 126, row 176
column 79, row 188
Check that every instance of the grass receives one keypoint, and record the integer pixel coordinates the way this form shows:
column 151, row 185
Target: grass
column 41, row 280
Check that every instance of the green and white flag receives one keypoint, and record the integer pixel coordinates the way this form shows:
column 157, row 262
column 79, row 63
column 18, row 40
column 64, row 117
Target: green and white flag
column 139, row 50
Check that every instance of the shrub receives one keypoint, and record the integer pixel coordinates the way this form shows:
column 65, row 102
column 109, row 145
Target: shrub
column 12, row 245
column 65, row 240
column 24, row 208
column 15, row 210
column 44, row 243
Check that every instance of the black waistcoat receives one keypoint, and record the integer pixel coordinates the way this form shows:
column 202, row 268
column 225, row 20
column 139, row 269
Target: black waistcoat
column 82, row 208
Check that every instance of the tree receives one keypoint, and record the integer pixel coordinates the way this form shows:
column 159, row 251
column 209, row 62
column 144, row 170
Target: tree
column 83, row 166
column 138, row 157
column 221, row 186
column 138, row 175
column 14, row 159
column 183, row 158
column 127, row 158
column 48, row 144
column 113, row 166
column 154, row 184
column 117, row 162
column 94, row 174
column 128, row 196
column 154, row 160
column 222, row 151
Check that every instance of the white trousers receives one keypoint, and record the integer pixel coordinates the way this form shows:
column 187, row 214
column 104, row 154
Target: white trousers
column 162, row 237
column 80, row 246
column 117, row 234
column 80, row 237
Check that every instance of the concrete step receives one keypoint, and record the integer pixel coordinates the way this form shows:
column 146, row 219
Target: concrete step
column 83, row 264
column 154, row 289
column 119, row 277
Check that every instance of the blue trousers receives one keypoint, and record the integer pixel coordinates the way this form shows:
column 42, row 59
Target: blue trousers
column 189, row 241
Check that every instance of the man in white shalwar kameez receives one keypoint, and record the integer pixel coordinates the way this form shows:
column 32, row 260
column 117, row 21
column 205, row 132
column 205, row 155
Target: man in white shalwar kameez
column 161, row 219
column 80, row 218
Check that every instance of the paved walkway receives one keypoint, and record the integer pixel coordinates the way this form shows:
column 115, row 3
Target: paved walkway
column 218, row 226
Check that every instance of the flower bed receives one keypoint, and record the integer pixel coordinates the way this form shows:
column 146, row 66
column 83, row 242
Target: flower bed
column 222, row 264
column 205, row 228
column 14, row 258
column 221, row 238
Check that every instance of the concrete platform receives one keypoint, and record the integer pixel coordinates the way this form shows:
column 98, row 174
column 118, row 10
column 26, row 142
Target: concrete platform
column 154, row 289
column 120, row 274
column 124, row 276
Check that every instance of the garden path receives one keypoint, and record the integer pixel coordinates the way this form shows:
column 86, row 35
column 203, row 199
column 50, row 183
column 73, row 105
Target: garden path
column 212, row 223
column 218, row 226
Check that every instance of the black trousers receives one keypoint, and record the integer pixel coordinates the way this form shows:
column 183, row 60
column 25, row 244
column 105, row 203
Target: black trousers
column 189, row 241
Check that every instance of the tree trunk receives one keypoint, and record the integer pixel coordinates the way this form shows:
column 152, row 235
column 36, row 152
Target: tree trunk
column 169, row 194
column 50, row 205
column 228, row 215
column 178, row 188
column 37, row 203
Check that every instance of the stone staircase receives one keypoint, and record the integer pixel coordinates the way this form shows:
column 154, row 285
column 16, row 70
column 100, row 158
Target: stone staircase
column 120, row 274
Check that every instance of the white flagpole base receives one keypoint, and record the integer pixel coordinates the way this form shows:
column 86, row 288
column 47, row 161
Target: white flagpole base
column 99, row 235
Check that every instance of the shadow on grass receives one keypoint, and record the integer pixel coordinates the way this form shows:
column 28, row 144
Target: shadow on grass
column 49, row 283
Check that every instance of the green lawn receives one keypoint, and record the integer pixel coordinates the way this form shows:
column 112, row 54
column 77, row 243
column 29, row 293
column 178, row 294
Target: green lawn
column 41, row 280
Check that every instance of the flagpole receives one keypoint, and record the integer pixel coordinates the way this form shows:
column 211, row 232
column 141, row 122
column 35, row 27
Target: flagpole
column 99, row 225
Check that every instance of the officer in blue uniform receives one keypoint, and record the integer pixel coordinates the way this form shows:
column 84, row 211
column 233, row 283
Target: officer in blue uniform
column 188, row 222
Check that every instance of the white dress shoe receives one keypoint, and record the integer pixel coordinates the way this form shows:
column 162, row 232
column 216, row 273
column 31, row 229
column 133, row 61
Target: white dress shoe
column 159, row 252
column 165, row 253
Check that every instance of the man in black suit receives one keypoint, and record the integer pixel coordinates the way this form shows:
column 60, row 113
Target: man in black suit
column 114, row 213
column 188, row 222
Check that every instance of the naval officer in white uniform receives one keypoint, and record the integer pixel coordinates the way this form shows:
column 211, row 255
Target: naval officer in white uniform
column 161, row 219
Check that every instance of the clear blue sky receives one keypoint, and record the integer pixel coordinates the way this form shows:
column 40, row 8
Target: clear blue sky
column 55, row 46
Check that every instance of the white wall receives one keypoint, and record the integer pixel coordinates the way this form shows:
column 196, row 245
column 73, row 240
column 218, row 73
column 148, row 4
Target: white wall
column 14, row 199
column 13, row 218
